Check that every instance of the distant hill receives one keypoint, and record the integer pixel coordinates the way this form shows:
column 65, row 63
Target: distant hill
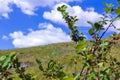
column 60, row 52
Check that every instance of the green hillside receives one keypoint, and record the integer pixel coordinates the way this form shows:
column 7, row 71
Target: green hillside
column 60, row 52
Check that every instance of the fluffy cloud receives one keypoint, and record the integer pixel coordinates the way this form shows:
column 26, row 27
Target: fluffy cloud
column 27, row 6
column 4, row 37
column 46, row 34
column 54, row 15
column 116, row 26
column 83, row 15
column 5, row 8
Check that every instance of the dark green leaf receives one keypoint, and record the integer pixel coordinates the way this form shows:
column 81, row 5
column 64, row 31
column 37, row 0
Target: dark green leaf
column 118, row 63
column 61, row 75
column 40, row 65
column 108, row 10
column 118, row 1
column 118, row 29
column 117, row 11
column 91, row 31
column 97, row 25
column 23, row 69
column 90, row 23
column 64, row 7
column 51, row 64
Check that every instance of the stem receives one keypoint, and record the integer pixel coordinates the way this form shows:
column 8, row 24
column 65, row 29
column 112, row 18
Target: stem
column 82, row 69
column 85, row 77
column 108, row 27
column 106, row 30
column 75, row 63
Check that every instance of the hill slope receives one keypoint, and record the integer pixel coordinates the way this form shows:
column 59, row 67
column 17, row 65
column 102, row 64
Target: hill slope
column 60, row 52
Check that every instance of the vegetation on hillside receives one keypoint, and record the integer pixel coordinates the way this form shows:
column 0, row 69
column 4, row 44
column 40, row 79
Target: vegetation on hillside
column 97, row 59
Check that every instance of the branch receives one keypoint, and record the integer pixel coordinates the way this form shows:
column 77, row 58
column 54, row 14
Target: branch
column 82, row 69
column 85, row 77
column 108, row 27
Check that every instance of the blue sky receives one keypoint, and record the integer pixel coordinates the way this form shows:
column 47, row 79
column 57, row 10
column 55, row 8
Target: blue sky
column 26, row 23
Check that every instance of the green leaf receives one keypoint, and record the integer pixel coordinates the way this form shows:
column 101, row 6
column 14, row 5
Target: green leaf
column 9, row 65
column 118, row 63
column 118, row 29
column 59, row 9
column 86, row 65
column 105, row 4
column 118, row 18
column 69, row 78
column 2, row 58
column 62, row 8
column 97, row 25
column 100, row 64
column 80, row 45
column 90, row 23
column 93, row 73
column 23, row 69
column 77, row 76
column 91, row 31
column 118, row 1
column 90, row 56
column 40, row 65
column 6, row 61
column 61, row 74
column 108, row 10
column 103, row 45
column 107, row 70
column 117, row 11
column 108, row 5
column 51, row 64
column 13, row 56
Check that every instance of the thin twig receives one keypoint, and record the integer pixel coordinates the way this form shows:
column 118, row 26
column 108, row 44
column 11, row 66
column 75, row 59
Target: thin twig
column 85, row 77
column 106, row 30
column 75, row 63
column 82, row 70
column 108, row 27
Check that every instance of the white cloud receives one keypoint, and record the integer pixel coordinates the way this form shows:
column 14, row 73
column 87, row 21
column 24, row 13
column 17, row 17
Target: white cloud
column 116, row 26
column 83, row 15
column 45, row 35
column 4, row 37
column 90, row 9
column 5, row 8
column 54, row 15
column 27, row 6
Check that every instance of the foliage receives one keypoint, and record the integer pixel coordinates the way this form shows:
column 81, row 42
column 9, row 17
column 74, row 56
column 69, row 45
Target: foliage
column 53, row 70
column 9, row 63
column 98, row 64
